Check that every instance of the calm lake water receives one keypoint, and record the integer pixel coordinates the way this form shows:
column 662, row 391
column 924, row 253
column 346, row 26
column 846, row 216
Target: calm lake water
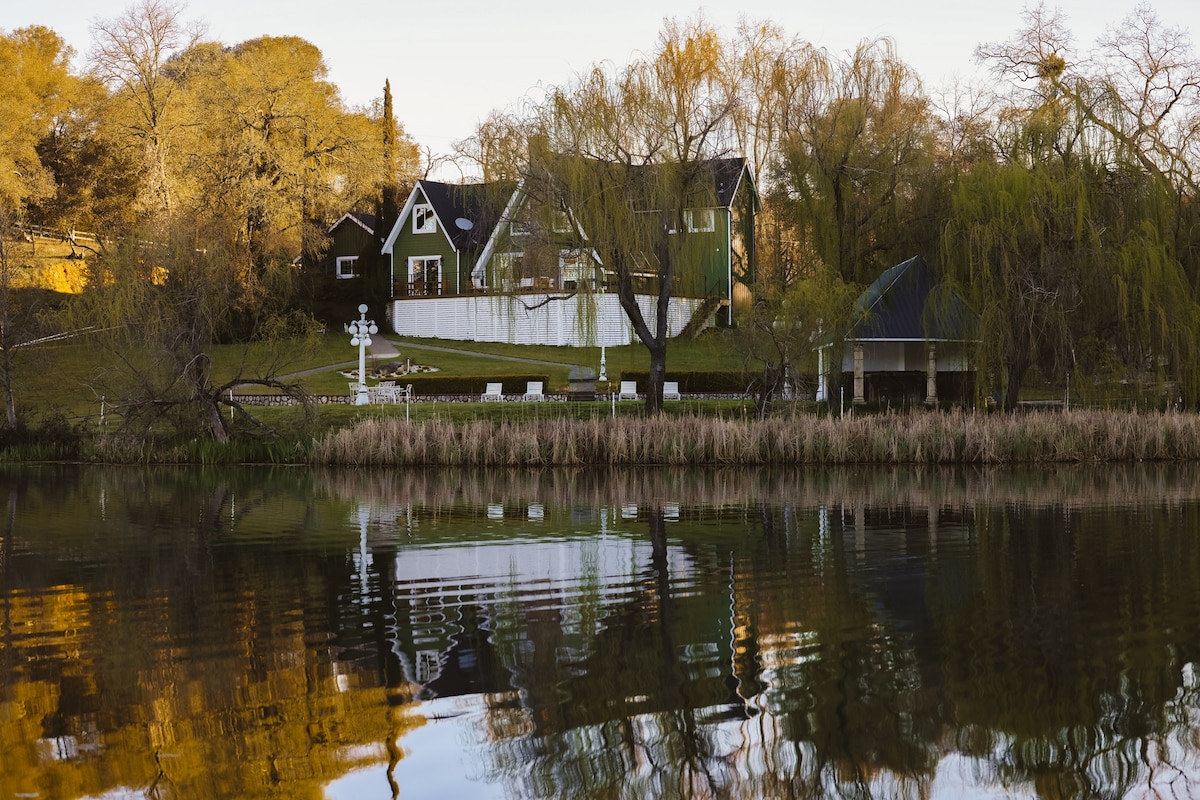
column 376, row 634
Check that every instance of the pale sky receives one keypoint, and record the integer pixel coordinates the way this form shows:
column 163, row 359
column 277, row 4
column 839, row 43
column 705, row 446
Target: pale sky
column 451, row 62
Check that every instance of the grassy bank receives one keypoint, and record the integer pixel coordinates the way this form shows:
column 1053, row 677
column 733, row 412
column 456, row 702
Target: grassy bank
column 894, row 438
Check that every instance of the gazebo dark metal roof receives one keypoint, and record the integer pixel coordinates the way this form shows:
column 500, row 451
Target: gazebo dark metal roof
column 905, row 304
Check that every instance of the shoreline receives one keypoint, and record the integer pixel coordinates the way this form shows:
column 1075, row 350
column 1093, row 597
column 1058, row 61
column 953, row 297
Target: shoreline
column 899, row 438
column 693, row 438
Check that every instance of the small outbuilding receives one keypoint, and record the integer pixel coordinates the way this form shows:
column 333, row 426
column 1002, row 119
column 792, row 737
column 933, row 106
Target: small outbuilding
column 912, row 340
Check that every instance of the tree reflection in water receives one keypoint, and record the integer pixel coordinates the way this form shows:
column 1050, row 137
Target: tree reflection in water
column 853, row 633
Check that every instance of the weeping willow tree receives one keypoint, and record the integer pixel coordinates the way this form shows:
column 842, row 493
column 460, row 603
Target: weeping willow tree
column 627, row 159
column 856, row 160
column 1066, row 264
column 161, row 305
column 1070, row 240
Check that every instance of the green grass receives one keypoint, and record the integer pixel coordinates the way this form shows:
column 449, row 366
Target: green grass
column 68, row 378
column 713, row 350
column 65, row 379
column 716, row 350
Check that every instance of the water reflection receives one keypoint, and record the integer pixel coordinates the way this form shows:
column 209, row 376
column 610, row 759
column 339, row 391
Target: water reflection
column 861, row 633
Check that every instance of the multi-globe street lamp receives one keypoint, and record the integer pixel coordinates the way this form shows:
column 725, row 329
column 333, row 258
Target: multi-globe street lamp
column 360, row 331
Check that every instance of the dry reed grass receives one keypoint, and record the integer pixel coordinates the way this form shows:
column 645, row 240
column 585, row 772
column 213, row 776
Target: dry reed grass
column 897, row 438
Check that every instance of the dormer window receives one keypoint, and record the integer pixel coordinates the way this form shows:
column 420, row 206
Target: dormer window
column 424, row 220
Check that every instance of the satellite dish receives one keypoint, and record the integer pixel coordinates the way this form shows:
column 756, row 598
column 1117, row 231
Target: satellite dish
column 464, row 224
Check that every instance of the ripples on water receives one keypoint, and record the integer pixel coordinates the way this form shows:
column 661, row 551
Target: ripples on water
column 884, row 634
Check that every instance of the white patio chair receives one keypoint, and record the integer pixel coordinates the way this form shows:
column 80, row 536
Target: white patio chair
column 533, row 391
column 493, row 392
column 628, row 391
column 671, row 390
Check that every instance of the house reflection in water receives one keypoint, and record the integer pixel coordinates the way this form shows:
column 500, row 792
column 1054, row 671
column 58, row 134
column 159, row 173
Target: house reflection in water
column 468, row 614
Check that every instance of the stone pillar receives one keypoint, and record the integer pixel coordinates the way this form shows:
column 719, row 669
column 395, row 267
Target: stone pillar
column 931, row 397
column 859, row 397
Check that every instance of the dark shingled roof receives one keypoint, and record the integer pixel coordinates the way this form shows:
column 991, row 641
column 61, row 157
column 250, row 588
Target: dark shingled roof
column 905, row 303
column 480, row 204
column 727, row 176
column 716, row 189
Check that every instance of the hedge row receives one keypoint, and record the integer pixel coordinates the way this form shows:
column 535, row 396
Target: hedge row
column 470, row 384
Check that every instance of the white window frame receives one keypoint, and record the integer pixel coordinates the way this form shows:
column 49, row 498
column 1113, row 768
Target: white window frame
column 700, row 220
column 414, row 276
column 423, row 219
column 346, row 267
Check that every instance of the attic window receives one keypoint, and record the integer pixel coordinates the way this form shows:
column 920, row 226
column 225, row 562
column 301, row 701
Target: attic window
column 346, row 267
column 423, row 219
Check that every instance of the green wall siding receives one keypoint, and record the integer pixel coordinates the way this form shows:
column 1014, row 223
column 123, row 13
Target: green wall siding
column 349, row 239
column 410, row 245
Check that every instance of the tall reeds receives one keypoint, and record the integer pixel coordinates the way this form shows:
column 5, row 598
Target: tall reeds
column 896, row 438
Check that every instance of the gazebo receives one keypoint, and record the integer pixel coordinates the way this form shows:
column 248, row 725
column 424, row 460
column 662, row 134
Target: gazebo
column 910, row 336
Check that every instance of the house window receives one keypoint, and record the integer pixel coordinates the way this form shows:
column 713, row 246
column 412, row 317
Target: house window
column 346, row 267
column 700, row 219
column 423, row 219
column 425, row 275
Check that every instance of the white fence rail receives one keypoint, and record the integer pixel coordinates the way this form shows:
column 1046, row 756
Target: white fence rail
column 32, row 233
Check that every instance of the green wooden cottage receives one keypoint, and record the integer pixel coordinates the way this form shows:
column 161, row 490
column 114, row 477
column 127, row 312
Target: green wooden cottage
column 350, row 237
column 488, row 262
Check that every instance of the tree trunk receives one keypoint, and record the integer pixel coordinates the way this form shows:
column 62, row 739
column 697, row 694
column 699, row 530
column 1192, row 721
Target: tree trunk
column 216, row 423
column 6, row 333
column 658, row 374
column 655, row 341
column 1012, row 390
column 10, row 404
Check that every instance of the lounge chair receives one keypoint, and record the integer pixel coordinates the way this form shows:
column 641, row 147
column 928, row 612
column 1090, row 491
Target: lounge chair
column 671, row 390
column 391, row 393
column 533, row 391
column 628, row 391
column 494, row 391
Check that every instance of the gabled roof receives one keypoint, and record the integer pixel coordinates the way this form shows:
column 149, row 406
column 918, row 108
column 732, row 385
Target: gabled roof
column 363, row 220
column 902, row 305
column 467, row 214
column 718, row 189
column 728, row 175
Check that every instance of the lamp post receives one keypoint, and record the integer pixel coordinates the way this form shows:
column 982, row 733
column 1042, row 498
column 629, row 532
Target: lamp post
column 360, row 331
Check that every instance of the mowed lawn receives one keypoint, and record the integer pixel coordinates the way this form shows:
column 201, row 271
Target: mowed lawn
column 74, row 378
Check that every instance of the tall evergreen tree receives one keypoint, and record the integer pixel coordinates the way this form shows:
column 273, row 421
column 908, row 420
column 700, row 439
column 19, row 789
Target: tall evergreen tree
column 387, row 207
